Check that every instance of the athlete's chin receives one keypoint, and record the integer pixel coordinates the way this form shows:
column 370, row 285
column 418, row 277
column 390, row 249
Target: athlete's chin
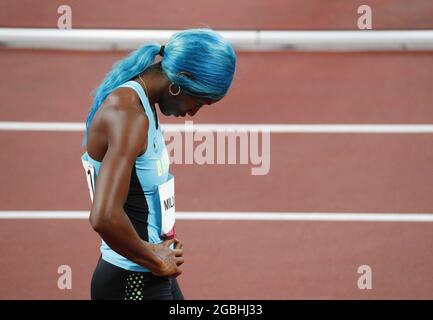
column 165, row 112
column 169, row 112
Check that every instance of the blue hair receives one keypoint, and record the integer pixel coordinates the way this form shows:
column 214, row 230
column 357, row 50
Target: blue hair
column 204, row 54
column 207, row 57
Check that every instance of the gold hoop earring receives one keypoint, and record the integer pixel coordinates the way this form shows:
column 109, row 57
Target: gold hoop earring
column 171, row 92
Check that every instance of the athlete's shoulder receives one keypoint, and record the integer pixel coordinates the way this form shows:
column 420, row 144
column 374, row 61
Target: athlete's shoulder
column 123, row 117
column 123, row 103
column 123, row 99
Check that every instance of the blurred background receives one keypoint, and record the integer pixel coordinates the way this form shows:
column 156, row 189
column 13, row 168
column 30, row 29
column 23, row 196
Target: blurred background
column 350, row 113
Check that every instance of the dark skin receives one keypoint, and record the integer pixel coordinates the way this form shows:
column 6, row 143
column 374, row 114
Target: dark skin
column 118, row 135
column 157, row 86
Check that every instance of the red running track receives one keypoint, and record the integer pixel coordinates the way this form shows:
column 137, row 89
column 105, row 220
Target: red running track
column 266, row 260
column 219, row 14
column 268, row 87
column 309, row 172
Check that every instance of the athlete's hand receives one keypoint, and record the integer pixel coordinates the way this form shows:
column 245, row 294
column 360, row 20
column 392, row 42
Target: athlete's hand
column 178, row 244
column 178, row 247
column 170, row 259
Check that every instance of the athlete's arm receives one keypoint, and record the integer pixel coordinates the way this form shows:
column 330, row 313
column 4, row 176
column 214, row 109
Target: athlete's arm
column 126, row 130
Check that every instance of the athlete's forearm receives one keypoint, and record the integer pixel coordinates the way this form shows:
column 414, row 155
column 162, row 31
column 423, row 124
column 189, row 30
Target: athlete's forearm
column 121, row 236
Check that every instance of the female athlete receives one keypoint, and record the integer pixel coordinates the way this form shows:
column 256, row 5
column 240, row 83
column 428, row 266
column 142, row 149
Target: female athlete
column 127, row 165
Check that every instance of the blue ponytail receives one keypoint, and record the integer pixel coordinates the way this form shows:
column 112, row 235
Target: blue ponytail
column 124, row 70
column 202, row 53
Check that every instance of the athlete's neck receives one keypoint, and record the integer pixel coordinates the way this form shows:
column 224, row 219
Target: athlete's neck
column 155, row 83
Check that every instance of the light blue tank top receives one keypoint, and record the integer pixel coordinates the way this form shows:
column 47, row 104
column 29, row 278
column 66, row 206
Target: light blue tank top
column 143, row 204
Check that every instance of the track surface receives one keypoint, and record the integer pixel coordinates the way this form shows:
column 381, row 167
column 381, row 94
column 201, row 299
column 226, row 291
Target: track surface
column 368, row 173
column 309, row 173
column 219, row 14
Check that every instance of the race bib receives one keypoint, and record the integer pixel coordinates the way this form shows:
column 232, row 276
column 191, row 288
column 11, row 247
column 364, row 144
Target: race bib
column 90, row 177
column 167, row 201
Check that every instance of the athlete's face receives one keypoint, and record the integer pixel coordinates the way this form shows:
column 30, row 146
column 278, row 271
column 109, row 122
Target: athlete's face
column 182, row 104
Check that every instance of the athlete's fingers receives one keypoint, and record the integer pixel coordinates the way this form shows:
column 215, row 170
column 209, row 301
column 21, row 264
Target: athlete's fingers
column 179, row 260
column 178, row 244
column 168, row 243
column 178, row 252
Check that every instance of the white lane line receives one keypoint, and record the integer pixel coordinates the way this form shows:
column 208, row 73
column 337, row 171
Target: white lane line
column 242, row 216
column 129, row 39
column 41, row 126
column 272, row 128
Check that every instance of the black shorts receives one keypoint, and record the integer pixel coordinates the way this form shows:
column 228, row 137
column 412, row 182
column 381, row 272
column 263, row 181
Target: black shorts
column 110, row 282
